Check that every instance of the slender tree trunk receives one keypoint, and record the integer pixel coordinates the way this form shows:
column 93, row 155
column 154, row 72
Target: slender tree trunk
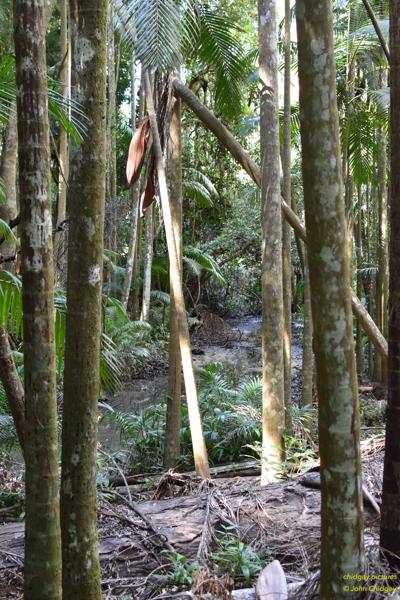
column 86, row 197
column 271, row 278
column 232, row 145
column 65, row 79
column 42, row 530
column 148, row 262
column 329, row 261
column 8, row 173
column 286, row 230
column 13, row 387
column 135, row 193
column 173, row 424
column 390, row 519
column 308, row 358
column 382, row 278
column 359, row 256
column 135, row 312
column 198, row 442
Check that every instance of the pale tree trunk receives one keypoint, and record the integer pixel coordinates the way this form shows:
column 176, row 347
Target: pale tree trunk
column 135, row 193
column 359, row 256
column 390, row 519
column 271, row 221
column 286, row 230
column 173, row 423
column 382, row 277
column 240, row 155
column 65, row 79
column 196, row 429
column 42, row 529
column 8, row 173
column 308, row 358
column 86, row 197
column 329, row 262
column 148, row 262
column 135, row 311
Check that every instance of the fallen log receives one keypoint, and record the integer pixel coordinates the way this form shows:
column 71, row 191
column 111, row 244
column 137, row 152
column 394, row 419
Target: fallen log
column 243, row 469
column 250, row 166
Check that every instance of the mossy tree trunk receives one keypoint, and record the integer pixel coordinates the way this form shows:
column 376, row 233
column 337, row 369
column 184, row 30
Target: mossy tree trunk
column 390, row 520
column 42, row 528
column 271, row 221
column 86, row 197
column 329, row 262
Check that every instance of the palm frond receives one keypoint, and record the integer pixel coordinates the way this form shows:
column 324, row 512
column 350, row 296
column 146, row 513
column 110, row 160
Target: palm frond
column 154, row 28
column 5, row 230
column 198, row 260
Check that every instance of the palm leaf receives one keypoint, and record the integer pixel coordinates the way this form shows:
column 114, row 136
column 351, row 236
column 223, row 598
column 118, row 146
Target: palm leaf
column 154, row 28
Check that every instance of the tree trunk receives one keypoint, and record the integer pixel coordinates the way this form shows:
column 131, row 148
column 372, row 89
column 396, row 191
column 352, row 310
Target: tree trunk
column 42, row 537
column 232, row 145
column 198, row 442
column 329, row 261
column 65, row 79
column 8, row 173
column 271, row 221
column 286, row 230
column 382, row 278
column 135, row 193
column 13, row 387
column 86, row 197
column 148, row 261
column 308, row 358
column 390, row 519
column 173, row 423
column 359, row 256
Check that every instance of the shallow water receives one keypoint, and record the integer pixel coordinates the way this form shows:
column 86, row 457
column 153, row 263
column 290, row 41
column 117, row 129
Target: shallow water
column 242, row 357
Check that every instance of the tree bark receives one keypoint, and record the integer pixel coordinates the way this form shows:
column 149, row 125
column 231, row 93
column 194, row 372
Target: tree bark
column 286, row 229
column 198, row 442
column 173, row 423
column 86, row 198
column 271, row 269
column 390, row 514
column 42, row 538
column 329, row 262
column 232, row 145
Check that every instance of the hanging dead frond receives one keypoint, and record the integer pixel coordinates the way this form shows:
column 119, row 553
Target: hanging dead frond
column 137, row 152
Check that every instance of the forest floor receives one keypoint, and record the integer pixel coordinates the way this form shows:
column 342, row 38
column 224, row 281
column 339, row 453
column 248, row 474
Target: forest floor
column 174, row 535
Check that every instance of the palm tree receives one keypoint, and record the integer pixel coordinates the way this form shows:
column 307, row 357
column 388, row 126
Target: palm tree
column 81, row 569
column 329, row 263
column 271, row 269
column 42, row 537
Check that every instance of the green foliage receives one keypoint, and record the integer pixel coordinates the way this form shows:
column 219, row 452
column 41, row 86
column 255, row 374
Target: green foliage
column 179, row 569
column 231, row 417
column 236, row 558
